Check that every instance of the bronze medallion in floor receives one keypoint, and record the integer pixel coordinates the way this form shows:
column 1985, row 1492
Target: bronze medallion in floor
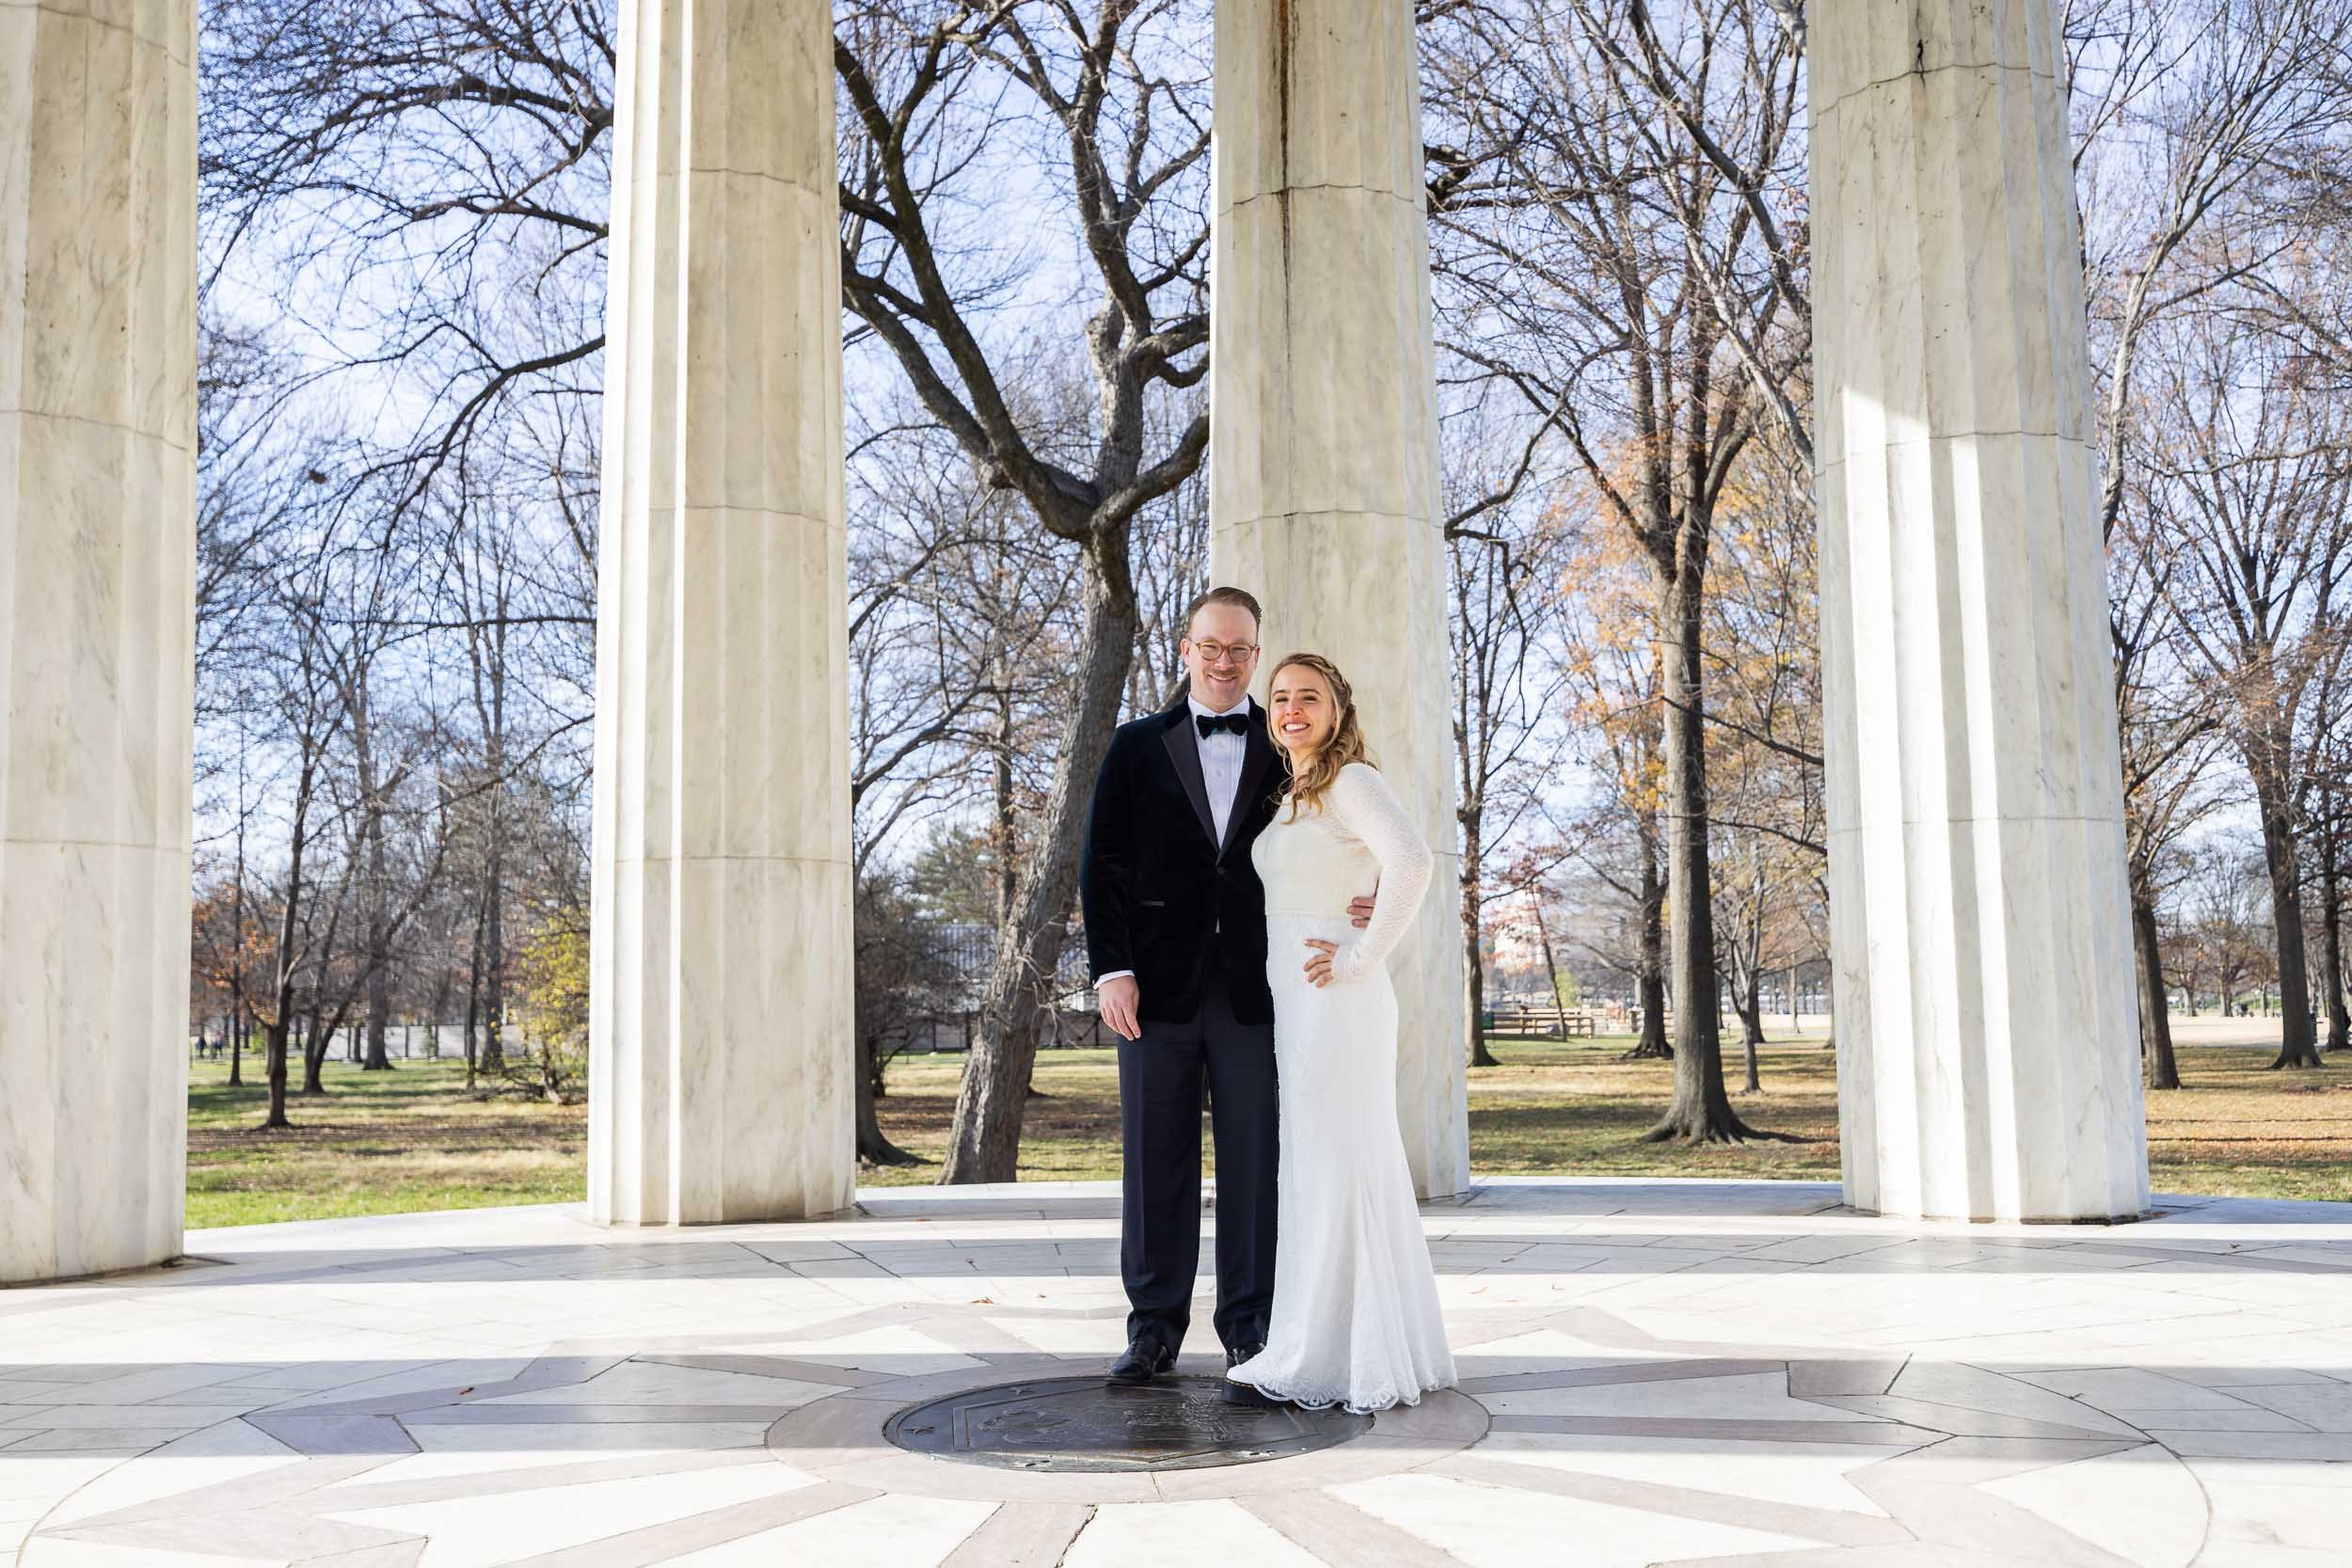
column 1087, row 1424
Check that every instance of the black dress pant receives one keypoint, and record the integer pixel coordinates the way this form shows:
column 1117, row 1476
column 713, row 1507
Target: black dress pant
column 1161, row 1077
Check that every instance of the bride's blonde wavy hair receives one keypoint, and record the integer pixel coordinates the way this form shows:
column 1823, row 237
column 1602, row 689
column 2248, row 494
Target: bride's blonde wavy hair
column 1312, row 779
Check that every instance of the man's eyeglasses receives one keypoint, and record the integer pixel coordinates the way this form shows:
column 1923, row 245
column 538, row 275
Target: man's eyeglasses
column 1217, row 653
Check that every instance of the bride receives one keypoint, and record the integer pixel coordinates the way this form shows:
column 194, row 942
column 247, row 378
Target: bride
column 1354, row 1318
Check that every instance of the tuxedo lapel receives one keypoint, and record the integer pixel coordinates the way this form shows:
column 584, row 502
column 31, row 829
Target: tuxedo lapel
column 1256, row 758
column 1184, row 748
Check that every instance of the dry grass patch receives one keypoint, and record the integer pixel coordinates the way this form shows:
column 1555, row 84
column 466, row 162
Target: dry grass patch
column 412, row 1139
column 1579, row 1109
column 2237, row 1129
column 375, row 1143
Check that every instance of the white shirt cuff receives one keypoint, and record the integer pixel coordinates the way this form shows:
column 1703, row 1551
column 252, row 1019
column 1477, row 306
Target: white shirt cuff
column 1114, row 975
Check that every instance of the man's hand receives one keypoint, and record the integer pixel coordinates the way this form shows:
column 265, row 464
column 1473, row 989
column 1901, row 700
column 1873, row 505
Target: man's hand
column 1116, row 999
column 1359, row 911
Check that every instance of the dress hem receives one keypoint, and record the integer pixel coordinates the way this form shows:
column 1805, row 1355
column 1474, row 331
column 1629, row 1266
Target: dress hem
column 1408, row 1401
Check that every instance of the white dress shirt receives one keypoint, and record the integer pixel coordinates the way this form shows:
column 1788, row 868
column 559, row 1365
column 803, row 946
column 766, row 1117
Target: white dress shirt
column 1221, row 763
column 1221, row 756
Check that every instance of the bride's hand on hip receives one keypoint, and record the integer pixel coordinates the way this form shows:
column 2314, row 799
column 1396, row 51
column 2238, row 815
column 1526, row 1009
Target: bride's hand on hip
column 1319, row 967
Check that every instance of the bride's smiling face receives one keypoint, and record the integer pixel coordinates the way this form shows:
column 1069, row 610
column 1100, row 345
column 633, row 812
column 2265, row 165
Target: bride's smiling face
column 1300, row 710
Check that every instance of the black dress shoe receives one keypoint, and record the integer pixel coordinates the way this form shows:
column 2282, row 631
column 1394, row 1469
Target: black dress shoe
column 1144, row 1359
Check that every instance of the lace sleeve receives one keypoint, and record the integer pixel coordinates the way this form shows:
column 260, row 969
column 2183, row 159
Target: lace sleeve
column 1367, row 807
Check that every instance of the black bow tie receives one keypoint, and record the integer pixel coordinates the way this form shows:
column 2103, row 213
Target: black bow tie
column 1236, row 722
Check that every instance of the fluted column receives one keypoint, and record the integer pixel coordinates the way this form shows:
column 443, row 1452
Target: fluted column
column 1988, row 1063
column 721, row 1026
column 1322, row 455
column 97, row 558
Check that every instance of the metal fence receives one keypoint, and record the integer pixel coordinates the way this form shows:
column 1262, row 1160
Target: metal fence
column 952, row 1032
column 969, row 950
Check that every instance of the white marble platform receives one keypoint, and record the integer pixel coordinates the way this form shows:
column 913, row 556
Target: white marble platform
column 1656, row 1372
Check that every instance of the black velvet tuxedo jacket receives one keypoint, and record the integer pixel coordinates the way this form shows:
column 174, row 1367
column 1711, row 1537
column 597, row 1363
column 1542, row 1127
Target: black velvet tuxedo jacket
column 1161, row 896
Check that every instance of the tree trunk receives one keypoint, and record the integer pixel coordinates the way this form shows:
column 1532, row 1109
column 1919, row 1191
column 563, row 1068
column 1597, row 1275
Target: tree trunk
column 1700, row 1111
column 1748, row 997
column 1005, row 839
column 474, row 996
column 2155, row 1021
column 1008, row 856
column 1551, row 962
column 379, row 941
column 236, row 937
column 488, row 657
column 314, row 1047
column 984, row 1142
column 1474, row 999
column 2331, row 948
column 275, row 1044
column 2298, row 1045
column 1650, row 979
column 378, row 1058
column 1474, row 958
column 494, row 956
column 288, row 965
column 1746, row 955
column 871, row 1146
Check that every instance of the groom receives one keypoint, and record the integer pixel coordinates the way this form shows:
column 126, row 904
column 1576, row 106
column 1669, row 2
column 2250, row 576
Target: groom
column 1175, row 924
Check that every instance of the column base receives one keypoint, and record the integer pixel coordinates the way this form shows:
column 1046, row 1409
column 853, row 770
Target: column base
column 1856, row 1209
column 35, row 1282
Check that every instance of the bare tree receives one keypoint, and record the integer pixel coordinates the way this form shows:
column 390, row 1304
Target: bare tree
column 1611, row 670
column 2169, row 737
column 420, row 186
column 1607, row 290
column 2248, row 471
column 308, row 714
column 2205, row 132
column 2199, row 126
column 1127, row 110
column 1506, row 693
column 1766, row 781
column 903, row 983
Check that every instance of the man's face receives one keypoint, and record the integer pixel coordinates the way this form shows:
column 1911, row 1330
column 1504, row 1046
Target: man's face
column 1220, row 652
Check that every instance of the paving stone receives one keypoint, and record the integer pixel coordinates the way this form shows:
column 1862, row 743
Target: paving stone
column 1729, row 1372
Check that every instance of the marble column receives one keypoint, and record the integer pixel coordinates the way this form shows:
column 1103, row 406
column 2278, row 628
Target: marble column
column 1322, row 451
column 1988, row 1060
column 721, row 1087
column 97, row 613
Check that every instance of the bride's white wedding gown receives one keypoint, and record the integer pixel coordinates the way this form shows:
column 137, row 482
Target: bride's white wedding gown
column 1356, row 1319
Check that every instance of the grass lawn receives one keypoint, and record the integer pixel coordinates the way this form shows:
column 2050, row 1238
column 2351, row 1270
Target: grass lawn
column 375, row 1143
column 410, row 1139
column 1577, row 1110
